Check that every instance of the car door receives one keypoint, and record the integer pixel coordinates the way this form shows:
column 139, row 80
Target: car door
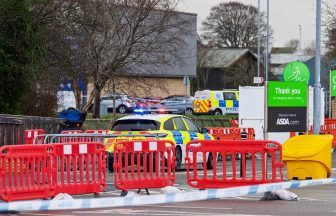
column 230, row 102
column 194, row 131
column 180, row 105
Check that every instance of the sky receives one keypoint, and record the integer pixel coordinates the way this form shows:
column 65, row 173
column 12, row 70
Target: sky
column 285, row 16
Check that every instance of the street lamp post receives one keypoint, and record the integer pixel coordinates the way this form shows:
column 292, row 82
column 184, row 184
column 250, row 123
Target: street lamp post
column 267, row 41
column 259, row 15
column 317, row 85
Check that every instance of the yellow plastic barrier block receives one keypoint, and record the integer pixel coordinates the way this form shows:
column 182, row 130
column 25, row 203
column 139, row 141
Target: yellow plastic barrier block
column 308, row 156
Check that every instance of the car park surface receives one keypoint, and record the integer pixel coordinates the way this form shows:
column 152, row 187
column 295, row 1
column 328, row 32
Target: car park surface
column 315, row 200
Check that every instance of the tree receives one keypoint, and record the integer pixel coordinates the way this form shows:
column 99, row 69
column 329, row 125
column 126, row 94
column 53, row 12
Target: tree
column 206, row 60
column 233, row 24
column 21, row 50
column 330, row 31
column 310, row 49
column 115, row 39
column 293, row 43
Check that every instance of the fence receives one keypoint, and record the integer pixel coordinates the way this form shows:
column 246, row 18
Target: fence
column 233, row 169
column 144, row 164
column 12, row 127
column 232, row 133
column 26, row 172
column 43, row 171
column 80, row 168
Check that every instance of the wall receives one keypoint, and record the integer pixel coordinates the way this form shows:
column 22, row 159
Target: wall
column 147, row 86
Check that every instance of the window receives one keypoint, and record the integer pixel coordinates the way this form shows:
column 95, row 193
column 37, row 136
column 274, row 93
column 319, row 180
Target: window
column 191, row 125
column 229, row 96
column 169, row 125
column 180, row 126
column 136, row 125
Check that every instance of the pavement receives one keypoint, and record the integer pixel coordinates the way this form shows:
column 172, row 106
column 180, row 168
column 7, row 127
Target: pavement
column 315, row 200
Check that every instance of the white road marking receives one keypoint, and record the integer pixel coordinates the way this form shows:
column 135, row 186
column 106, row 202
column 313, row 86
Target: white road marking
column 41, row 214
column 189, row 207
column 246, row 198
column 139, row 211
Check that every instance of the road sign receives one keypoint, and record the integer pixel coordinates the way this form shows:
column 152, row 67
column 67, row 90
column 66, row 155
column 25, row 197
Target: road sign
column 258, row 80
column 287, row 106
column 296, row 72
column 333, row 83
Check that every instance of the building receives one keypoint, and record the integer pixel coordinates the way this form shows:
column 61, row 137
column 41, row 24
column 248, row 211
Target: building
column 225, row 68
column 166, row 78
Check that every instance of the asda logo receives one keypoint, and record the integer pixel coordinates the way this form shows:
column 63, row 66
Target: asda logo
column 285, row 121
column 282, row 121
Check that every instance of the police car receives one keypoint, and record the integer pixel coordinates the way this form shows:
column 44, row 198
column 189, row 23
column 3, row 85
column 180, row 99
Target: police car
column 176, row 128
column 216, row 102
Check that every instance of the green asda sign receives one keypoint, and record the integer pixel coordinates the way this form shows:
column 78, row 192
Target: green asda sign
column 287, row 94
column 287, row 106
column 296, row 72
column 333, row 83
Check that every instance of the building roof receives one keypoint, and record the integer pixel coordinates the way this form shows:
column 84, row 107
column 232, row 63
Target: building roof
column 224, row 58
column 283, row 50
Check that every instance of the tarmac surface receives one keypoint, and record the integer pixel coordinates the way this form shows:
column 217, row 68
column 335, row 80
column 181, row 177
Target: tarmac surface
column 315, row 200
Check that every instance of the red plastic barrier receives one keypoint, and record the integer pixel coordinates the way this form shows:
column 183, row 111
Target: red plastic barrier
column 26, row 172
column 43, row 171
column 234, row 122
column 232, row 133
column 238, row 170
column 31, row 134
column 247, row 133
column 97, row 131
column 144, row 164
column 80, row 168
column 329, row 121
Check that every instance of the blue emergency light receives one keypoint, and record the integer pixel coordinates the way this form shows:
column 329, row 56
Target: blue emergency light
column 138, row 111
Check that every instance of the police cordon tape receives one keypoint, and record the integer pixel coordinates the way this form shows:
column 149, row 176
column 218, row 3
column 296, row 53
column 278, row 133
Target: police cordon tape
column 94, row 203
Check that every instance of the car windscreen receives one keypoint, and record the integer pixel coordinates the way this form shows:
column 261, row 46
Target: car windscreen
column 136, row 125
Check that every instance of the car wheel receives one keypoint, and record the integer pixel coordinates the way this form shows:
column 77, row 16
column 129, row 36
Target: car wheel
column 110, row 162
column 189, row 111
column 178, row 158
column 218, row 112
column 209, row 165
column 122, row 109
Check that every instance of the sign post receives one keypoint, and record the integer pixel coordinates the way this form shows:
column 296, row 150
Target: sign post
column 287, row 107
column 186, row 82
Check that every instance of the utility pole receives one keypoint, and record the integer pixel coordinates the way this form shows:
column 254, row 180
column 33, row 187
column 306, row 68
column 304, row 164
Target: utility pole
column 259, row 36
column 267, row 41
column 317, row 85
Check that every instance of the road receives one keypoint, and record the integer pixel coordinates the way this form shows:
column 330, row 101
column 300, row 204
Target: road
column 316, row 200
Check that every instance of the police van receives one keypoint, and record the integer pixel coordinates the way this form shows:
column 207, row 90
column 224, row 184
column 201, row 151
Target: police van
column 216, row 102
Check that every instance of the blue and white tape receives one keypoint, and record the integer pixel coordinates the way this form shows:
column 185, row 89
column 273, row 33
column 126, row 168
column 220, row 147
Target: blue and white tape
column 93, row 203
